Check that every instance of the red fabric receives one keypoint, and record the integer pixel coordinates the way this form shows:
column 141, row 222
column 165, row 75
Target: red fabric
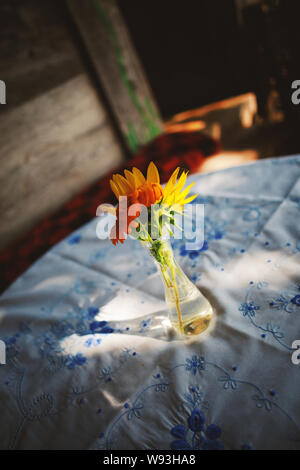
column 167, row 151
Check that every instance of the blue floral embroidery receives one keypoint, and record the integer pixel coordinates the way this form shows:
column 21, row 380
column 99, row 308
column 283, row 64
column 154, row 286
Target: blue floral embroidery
column 262, row 401
column 92, row 312
column 145, row 325
column 280, row 303
column 195, row 398
column 45, row 405
column 213, row 229
column 50, row 341
column 248, row 309
column 196, row 421
column 61, row 329
column 275, row 330
column 92, row 342
column 195, row 364
column 82, row 287
column 228, row 382
column 196, row 277
column 252, row 214
column 287, row 302
column 105, row 375
column 296, row 300
column 74, row 240
column 11, row 346
column 73, row 361
column 135, row 411
column 192, row 254
column 196, row 436
column 101, row 327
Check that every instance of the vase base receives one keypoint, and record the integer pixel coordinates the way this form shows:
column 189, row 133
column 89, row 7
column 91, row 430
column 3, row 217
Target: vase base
column 198, row 324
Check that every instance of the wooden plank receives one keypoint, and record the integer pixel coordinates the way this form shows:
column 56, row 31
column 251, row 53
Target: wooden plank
column 50, row 148
column 37, row 51
column 118, row 68
column 56, row 135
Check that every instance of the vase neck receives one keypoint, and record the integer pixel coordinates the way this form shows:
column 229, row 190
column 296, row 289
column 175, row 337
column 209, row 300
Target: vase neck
column 162, row 253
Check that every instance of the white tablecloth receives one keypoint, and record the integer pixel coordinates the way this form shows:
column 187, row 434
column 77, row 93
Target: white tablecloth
column 81, row 373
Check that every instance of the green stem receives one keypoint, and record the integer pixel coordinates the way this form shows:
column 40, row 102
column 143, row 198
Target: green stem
column 177, row 299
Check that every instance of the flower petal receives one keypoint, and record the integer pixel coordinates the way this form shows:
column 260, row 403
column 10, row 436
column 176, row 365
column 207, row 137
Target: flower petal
column 158, row 191
column 114, row 189
column 116, row 182
column 170, row 184
column 130, row 178
column 189, row 199
column 181, row 182
column 152, row 174
column 124, row 185
column 184, row 193
column 138, row 176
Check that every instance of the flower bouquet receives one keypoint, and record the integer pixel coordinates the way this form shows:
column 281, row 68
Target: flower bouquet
column 148, row 212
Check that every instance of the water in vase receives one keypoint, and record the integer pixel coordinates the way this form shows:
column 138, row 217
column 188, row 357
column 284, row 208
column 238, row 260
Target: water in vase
column 189, row 311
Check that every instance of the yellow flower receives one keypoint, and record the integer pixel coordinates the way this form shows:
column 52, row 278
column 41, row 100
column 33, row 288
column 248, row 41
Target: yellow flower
column 146, row 192
column 174, row 193
column 149, row 191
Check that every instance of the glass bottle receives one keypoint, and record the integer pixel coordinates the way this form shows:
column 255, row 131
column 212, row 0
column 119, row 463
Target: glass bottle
column 190, row 312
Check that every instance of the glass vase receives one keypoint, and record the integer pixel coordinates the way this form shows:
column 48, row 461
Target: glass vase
column 190, row 313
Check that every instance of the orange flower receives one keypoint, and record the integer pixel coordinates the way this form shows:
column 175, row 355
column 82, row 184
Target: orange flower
column 138, row 190
column 146, row 192
column 120, row 229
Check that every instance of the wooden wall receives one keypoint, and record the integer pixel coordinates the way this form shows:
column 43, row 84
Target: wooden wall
column 56, row 135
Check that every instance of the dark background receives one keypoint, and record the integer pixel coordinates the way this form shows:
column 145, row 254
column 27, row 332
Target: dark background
column 198, row 51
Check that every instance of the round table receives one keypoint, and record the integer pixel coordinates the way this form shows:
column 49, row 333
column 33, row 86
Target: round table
column 84, row 371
